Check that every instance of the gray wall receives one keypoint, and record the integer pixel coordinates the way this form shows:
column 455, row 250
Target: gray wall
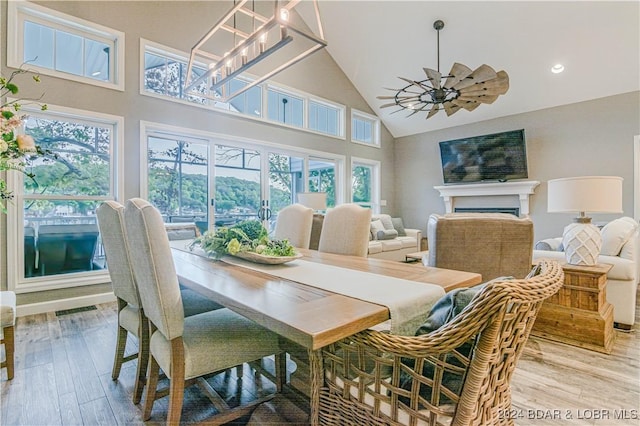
column 180, row 25
column 587, row 138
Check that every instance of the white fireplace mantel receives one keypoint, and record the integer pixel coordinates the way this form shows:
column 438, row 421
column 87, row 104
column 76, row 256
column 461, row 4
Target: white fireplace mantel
column 523, row 189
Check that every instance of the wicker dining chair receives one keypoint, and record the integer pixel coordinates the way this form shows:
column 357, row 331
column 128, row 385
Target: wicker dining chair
column 458, row 374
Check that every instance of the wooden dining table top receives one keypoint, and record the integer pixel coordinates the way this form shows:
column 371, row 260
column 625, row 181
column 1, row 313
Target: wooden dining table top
column 309, row 316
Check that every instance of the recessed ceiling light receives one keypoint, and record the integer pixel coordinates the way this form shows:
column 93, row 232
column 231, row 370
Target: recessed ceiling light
column 557, row 68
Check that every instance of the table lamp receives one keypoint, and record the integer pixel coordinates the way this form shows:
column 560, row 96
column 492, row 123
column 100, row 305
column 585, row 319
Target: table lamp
column 315, row 200
column 596, row 194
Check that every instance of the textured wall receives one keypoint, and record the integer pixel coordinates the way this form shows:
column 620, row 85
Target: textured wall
column 587, row 138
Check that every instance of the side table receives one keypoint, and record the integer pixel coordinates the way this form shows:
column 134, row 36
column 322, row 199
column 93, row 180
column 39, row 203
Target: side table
column 579, row 314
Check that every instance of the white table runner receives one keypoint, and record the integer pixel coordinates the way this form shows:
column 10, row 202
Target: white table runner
column 409, row 302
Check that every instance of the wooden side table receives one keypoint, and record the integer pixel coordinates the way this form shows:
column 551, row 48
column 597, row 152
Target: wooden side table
column 579, row 314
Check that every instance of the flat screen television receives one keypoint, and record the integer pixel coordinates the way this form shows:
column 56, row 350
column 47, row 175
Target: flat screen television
column 495, row 157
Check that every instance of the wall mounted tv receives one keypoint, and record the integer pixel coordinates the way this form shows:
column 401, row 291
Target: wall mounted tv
column 495, row 157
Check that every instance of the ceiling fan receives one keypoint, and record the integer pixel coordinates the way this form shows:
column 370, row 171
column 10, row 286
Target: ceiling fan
column 461, row 88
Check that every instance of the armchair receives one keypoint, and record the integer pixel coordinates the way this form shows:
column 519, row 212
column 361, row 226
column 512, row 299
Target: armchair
column 365, row 375
column 491, row 244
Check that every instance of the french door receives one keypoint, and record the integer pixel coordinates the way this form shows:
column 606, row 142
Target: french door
column 219, row 183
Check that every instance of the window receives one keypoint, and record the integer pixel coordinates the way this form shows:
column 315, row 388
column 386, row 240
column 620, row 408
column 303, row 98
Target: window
column 365, row 128
column 57, row 240
column 322, row 178
column 285, row 108
column 57, row 44
column 325, row 118
column 178, row 177
column 164, row 73
column 365, row 183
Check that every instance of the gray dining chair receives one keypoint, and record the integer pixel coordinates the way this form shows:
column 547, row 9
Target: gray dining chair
column 294, row 224
column 345, row 230
column 131, row 318
column 185, row 348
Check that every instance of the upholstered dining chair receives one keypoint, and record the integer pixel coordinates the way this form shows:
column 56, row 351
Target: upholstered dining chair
column 294, row 224
column 490, row 244
column 8, row 323
column 131, row 318
column 185, row 348
column 457, row 374
column 345, row 230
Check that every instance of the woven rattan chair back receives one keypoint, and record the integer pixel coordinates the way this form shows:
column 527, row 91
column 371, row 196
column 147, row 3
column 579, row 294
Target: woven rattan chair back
column 458, row 374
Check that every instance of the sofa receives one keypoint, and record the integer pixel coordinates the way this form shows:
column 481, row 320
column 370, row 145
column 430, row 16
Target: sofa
column 620, row 248
column 390, row 240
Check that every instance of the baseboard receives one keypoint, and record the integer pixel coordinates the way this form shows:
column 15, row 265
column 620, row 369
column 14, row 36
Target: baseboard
column 61, row 304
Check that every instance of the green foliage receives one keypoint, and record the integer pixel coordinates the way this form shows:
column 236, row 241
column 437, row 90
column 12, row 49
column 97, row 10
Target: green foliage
column 239, row 238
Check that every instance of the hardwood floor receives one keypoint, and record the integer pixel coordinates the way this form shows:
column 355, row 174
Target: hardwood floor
column 63, row 377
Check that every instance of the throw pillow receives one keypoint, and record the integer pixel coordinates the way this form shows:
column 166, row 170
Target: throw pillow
column 442, row 312
column 376, row 226
column 387, row 234
column 399, row 226
column 386, row 221
column 615, row 234
column 549, row 244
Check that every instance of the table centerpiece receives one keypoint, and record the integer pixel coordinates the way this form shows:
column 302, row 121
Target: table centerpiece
column 248, row 240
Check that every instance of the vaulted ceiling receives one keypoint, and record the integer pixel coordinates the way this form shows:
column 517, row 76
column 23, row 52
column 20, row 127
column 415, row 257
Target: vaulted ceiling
column 375, row 42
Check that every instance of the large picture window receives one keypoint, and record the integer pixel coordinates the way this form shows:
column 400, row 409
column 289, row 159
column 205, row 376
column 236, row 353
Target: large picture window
column 59, row 236
column 64, row 46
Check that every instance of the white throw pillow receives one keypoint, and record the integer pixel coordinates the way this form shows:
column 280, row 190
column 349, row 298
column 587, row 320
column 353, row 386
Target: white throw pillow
column 376, row 225
column 615, row 234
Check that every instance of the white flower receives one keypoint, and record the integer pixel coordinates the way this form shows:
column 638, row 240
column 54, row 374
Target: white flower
column 4, row 146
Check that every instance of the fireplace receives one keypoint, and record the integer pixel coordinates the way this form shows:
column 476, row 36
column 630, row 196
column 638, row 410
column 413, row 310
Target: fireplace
column 521, row 189
column 510, row 210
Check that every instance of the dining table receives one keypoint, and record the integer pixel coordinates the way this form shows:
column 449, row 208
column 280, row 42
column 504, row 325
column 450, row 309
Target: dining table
column 311, row 302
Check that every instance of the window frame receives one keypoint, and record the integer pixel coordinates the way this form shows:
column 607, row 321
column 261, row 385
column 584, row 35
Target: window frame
column 148, row 46
column 375, row 184
column 375, row 128
column 15, row 217
column 18, row 11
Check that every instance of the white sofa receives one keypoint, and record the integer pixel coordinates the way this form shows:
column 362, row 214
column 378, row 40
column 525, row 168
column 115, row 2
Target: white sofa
column 390, row 247
column 620, row 248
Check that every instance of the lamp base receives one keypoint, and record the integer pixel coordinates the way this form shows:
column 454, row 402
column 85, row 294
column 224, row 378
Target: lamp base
column 582, row 243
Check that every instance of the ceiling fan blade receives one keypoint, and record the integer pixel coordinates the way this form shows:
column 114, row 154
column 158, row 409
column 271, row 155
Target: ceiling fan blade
column 482, row 73
column 434, row 110
column 397, row 96
column 388, row 105
column 434, row 76
column 485, row 99
column 468, row 105
column 415, row 83
column 497, row 86
column 457, row 74
column 451, row 108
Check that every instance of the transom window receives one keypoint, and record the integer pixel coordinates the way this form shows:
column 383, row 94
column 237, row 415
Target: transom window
column 163, row 74
column 365, row 128
column 64, row 46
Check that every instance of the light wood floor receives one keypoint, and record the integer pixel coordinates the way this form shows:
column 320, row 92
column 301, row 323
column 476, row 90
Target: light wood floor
column 63, row 376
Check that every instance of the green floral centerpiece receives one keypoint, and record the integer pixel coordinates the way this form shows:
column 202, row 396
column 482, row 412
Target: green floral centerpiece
column 248, row 239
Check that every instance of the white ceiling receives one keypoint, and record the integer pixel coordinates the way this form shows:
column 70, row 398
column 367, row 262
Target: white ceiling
column 374, row 42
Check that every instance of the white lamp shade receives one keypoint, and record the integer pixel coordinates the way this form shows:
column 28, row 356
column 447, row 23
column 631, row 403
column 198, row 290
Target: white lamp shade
column 597, row 194
column 314, row 200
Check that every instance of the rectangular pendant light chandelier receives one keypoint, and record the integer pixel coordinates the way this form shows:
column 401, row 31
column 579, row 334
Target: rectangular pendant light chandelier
column 259, row 42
